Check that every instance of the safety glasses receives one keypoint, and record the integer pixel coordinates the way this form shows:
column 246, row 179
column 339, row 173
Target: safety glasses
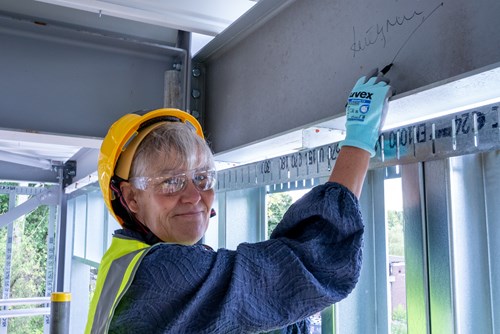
column 174, row 184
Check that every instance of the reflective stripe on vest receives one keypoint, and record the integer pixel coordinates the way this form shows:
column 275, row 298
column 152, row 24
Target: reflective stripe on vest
column 116, row 272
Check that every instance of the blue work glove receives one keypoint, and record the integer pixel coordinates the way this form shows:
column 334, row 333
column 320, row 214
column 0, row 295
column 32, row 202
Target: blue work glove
column 366, row 109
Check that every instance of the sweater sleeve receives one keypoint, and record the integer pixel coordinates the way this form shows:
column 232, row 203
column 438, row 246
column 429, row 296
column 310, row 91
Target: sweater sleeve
column 312, row 260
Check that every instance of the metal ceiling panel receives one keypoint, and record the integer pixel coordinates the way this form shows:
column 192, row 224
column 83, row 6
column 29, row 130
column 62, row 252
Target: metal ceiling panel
column 205, row 17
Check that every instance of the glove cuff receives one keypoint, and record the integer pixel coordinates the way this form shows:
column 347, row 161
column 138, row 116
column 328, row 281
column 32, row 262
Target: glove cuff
column 359, row 144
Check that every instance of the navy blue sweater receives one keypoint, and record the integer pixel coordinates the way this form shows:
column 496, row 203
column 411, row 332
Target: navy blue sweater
column 311, row 261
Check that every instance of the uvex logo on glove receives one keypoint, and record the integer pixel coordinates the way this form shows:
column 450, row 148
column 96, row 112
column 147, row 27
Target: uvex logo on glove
column 363, row 95
column 358, row 105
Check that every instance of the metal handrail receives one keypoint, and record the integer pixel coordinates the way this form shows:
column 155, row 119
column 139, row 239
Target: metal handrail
column 45, row 310
column 25, row 312
column 21, row 301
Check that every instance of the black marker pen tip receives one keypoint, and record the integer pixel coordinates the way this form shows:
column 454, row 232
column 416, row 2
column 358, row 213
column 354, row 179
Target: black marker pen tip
column 386, row 69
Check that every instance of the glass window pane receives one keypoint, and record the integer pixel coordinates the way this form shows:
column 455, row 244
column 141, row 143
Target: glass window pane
column 80, row 226
column 95, row 227
column 211, row 237
column 113, row 225
column 243, row 218
column 395, row 247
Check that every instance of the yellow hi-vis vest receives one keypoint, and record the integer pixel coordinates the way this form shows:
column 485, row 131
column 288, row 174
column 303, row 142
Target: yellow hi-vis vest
column 116, row 272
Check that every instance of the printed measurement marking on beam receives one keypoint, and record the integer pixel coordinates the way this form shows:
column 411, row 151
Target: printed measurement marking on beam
column 459, row 133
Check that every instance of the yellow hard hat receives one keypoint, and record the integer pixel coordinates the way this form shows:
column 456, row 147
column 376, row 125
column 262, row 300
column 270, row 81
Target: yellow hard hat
column 122, row 140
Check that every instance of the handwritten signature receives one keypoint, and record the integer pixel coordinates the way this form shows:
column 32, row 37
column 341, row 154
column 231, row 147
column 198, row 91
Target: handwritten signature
column 377, row 33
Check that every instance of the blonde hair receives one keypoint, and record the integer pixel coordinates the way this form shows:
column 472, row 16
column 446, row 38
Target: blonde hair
column 174, row 146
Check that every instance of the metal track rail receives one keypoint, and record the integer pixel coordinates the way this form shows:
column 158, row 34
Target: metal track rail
column 465, row 132
column 7, row 189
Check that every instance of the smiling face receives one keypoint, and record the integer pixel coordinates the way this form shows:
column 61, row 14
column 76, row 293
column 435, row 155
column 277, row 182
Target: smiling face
column 181, row 217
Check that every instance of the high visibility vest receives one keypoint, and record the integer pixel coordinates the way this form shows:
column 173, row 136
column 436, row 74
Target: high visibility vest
column 116, row 272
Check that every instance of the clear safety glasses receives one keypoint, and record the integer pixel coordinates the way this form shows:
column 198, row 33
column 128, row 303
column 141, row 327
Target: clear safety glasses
column 173, row 184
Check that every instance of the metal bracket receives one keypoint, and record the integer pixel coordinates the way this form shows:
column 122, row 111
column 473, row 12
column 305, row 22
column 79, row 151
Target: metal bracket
column 69, row 172
column 197, row 92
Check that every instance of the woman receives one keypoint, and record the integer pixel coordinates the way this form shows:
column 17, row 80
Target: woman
column 157, row 176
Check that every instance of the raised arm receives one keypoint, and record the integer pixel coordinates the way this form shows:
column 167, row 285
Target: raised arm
column 350, row 168
column 366, row 109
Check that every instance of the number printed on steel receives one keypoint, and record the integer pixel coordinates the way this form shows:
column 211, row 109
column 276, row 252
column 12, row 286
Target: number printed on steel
column 470, row 131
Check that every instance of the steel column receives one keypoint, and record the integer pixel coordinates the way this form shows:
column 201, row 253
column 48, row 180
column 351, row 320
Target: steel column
column 415, row 236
